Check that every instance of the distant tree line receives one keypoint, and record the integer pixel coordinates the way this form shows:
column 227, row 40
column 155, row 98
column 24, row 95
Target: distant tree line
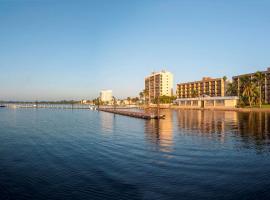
column 164, row 99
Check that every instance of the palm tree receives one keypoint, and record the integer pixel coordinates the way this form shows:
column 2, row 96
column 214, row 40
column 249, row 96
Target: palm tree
column 243, row 80
column 231, row 89
column 194, row 93
column 122, row 102
column 141, row 94
column 249, row 91
column 145, row 94
column 114, row 102
column 135, row 99
column 129, row 99
column 259, row 80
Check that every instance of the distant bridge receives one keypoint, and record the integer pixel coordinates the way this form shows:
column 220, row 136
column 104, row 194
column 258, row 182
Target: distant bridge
column 62, row 106
column 44, row 105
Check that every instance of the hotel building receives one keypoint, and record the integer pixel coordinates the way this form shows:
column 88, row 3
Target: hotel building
column 158, row 84
column 106, row 96
column 265, row 86
column 213, row 87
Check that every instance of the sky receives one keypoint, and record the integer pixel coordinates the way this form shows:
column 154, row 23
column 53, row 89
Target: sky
column 61, row 49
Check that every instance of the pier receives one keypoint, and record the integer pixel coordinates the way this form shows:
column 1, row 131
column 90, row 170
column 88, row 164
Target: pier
column 119, row 110
column 141, row 115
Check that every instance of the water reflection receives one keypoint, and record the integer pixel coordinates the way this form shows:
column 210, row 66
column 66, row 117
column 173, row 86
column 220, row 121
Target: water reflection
column 106, row 120
column 254, row 127
column 250, row 127
column 222, row 121
column 160, row 132
column 204, row 122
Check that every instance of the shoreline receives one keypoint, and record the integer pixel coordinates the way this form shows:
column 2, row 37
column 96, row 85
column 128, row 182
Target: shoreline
column 227, row 109
column 213, row 109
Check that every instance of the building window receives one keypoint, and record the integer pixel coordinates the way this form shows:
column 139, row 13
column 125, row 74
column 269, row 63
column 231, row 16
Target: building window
column 209, row 103
column 188, row 103
column 220, row 103
column 195, row 103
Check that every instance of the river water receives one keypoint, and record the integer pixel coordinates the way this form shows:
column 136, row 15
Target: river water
column 82, row 154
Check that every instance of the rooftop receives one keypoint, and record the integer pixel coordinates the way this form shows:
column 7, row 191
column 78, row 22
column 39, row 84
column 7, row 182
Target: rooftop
column 248, row 74
column 204, row 79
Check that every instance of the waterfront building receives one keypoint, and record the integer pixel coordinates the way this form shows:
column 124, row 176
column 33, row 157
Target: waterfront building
column 84, row 101
column 106, row 96
column 208, row 102
column 158, row 84
column 213, row 87
column 265, row 87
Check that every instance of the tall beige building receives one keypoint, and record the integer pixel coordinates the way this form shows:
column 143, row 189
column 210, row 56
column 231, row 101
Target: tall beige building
column 158, row 84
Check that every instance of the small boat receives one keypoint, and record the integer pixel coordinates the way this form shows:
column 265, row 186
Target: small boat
column 92, row 107
column 2, row 106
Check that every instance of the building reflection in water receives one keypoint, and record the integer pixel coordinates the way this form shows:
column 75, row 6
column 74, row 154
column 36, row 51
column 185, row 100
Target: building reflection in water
column 250, row 126
column 160, row 132
column 106, row 120
column 210, row 123
column 255, row 125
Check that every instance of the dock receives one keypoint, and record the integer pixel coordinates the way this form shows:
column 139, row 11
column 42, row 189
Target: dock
column 141, row 115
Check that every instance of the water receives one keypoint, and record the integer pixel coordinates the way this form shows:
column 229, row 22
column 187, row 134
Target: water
column 81, row 154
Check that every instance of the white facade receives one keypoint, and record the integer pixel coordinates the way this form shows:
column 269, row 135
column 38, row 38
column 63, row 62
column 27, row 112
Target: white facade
column 106, row 95
column 208, row 102
column 159, row 84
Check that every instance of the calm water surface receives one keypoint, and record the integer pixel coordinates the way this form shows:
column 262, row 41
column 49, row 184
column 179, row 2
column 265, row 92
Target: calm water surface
column 81, row 154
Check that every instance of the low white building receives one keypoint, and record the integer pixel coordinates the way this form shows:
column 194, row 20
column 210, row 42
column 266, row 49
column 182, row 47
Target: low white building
column 207, row 102
column 106, row 95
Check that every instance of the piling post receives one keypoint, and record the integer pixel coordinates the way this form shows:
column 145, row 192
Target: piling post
column 158, row 107
column 114, row 103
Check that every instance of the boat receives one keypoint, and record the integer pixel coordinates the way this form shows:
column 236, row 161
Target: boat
column 2, row 106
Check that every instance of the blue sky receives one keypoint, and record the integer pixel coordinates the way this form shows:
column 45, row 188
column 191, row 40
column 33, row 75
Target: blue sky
column 53, row 49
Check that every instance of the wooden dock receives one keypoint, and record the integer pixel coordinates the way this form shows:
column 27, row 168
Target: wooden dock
column 141, row 115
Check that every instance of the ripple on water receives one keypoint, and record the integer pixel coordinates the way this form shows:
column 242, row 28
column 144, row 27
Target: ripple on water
column 64, row 154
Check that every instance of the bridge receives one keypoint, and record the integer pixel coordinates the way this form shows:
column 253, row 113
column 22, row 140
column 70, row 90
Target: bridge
column 61, row 106
column 44, row 105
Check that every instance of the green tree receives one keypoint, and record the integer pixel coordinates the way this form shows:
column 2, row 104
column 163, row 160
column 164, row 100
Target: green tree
column 259, row 81
column 146, row 95
column 141, row 95
column 250, row 91
column 135, row 100
column 164, row 99
column 122, row 102
column 242, row 82
column 114, row 102
column 194, row 93
column 129, row 100
column 231, row 89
